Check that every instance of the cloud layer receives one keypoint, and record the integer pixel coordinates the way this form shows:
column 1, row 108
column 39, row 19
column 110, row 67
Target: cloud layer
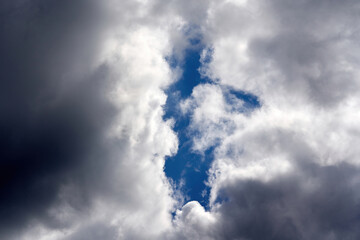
column 83, row 139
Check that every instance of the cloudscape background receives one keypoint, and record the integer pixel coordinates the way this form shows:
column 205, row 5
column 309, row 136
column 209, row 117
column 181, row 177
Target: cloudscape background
column 154, row 119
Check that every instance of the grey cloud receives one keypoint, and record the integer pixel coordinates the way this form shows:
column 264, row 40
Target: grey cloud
column 95, row 231
column 308, row 47
column 194, row 12
column 311, row 67
column 312, row 202
column 303, row 52
column 51, row 111
column 315, row 202
column 280, row 175
column 68, row 160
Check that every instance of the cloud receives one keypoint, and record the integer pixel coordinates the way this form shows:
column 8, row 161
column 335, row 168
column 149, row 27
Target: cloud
column 82, row 136
column 295, row 49
column 314, row 202
column 280, row 172
column 83, row 139
column 193, row 222
column 311, row 202
column 210, row 120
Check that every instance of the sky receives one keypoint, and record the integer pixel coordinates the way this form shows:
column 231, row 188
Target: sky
column 176, row 120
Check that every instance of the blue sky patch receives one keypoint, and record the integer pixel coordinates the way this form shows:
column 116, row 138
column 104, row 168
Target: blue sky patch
column 188, row 166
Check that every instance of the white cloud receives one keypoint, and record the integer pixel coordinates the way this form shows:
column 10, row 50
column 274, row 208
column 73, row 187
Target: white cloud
column 302, row 64
column 135, row 200
column 193, row 222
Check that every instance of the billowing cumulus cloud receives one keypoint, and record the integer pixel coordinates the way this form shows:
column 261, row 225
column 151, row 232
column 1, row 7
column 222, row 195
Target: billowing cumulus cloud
column 82, row 136
column 289, row 169
column 84, row 139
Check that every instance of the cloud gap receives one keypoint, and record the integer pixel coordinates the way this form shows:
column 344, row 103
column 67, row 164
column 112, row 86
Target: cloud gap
column 188, row 169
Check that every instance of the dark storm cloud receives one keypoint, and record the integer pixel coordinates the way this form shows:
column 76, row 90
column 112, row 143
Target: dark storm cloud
column 313, row 203
column 51, row 111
